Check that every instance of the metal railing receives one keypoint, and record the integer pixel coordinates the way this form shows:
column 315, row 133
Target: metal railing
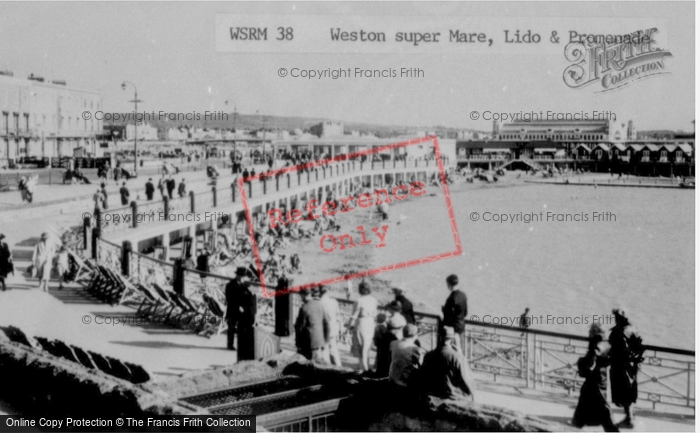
column 528, row 358
column 153, row 211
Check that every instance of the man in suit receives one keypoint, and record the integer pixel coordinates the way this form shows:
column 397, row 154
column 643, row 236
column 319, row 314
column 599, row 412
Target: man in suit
column 312, row 328
column 242, row 306
column 455, row 309
column 181, row 189
column 150, row 189
column 124, row 193
column 171, row 187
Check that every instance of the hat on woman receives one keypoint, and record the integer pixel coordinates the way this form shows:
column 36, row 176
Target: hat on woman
column 2, row 236
column 44, row 235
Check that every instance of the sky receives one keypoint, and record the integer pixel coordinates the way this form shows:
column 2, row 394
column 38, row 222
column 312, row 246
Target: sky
column 168, row 50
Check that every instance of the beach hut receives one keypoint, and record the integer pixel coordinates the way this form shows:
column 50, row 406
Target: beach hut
column 686, row 153
column 582, row 151
column 600, row 152
column 621, row 152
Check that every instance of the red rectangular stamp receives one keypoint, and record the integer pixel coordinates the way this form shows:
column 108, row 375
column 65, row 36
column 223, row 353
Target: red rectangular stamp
column 404, row 187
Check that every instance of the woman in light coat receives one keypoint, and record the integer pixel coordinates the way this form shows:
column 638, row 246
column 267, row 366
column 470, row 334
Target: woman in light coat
column 42, row 260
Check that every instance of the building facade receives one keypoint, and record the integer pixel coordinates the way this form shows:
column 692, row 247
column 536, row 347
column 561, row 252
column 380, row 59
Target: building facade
column 43, row 119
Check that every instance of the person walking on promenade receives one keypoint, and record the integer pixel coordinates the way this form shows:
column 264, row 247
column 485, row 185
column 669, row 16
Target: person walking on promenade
column 312, row 328
column 626, row 352
column 162, row 186
column 6, row 265
column 103, row 189
column 99, row 199
column 42, row 260
column 332, row 310
column 241, row 307
column 182, row 189
column 150, row 189
column 445, row 372
column 593, row 407
column 170, row 184
column 406, row 305
column 124, row 194
column 406, row 358
column 524, row 321
column 362, row 325
column 455, row 309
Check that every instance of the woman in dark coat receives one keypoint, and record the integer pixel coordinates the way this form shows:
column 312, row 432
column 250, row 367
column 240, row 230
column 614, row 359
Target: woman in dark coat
column 626, row 352
column 6, row 265
column 593, row 407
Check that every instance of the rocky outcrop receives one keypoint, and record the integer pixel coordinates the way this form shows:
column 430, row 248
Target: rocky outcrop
column 41, row 384
column 235, row 375
column 375, row 405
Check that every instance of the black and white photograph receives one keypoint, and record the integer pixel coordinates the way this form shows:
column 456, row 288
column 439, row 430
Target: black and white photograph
column 323, row 216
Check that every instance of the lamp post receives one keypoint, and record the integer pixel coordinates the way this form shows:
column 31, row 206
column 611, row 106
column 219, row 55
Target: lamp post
column 136, row 109
column 235, row 132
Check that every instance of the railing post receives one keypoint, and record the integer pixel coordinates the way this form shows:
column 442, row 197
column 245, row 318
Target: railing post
column 250, row 189
column 289, row 181
column 126, row 254
column 94, row 240
column 264, row 181
column 98, row 222
column 383, row 164
column 308, row 177
column 86, row 229
column 277, row 182
column 316, row 171
column 192, row 202
column 233, row 191
column 298, row 178
column 179, row 276
column 134, row 214
column 361, row 164
column 405, row 161
column 371, row 166
column 213, row 196
column 416, row 163
column 166, row 207
column 284, row 310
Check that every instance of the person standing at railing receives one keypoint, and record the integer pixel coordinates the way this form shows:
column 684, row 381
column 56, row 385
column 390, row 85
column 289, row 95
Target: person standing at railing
column 593, row 408
column 362, row 325
column 445, row 372
column 455, row 309
column 406, row 305
column 332, row 309
column 626, row 352
column 241, row 308
column 312, row 328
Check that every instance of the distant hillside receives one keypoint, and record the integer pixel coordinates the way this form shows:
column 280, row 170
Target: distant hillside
column 256, row 121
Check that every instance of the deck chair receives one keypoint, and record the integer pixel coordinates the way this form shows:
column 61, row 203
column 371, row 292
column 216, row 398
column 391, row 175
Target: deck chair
column 150, row 302
column 168, row 304
column 188, row 310
column 131, row 293
column 216, row 312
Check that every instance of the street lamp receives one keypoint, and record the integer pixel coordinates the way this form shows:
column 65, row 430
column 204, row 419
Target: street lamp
column 235, row 132
column 136, row 109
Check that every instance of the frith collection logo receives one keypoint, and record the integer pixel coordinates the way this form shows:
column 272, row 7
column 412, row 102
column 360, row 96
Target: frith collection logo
column 614, row 61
